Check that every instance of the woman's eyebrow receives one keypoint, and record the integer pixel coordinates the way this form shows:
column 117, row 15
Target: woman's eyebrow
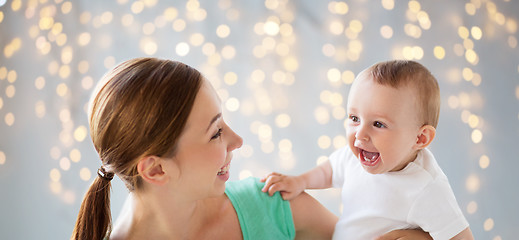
column 213, row 120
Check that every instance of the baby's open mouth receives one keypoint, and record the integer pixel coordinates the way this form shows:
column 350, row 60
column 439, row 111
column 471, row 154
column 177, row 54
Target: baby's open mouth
column 369, row 158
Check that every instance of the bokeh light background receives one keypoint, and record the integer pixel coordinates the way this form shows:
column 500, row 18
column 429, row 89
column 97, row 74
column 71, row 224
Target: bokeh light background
column 282, row 69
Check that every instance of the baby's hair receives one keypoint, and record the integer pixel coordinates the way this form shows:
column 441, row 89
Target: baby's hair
column 398, row 73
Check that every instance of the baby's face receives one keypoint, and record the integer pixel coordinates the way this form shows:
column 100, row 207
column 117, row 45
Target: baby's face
column 382, row 127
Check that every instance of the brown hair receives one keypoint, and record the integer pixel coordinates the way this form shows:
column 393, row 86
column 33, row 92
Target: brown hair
column 140, row 109
column 397, row 73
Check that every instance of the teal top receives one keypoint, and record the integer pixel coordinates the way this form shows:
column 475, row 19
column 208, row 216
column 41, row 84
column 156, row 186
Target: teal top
column 260, row 216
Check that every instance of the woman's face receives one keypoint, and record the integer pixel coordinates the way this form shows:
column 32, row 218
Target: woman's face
column 204, row 150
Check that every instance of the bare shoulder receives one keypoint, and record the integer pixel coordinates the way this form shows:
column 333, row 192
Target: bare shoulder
column 311, row 219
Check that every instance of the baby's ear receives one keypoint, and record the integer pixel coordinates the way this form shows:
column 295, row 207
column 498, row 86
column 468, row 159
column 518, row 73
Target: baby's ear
column 151, row 170
column 425, row 136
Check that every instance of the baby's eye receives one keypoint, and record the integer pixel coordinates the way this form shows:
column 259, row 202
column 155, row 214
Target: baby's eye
column 378, row 124
column 217, row 135
column 354, row 118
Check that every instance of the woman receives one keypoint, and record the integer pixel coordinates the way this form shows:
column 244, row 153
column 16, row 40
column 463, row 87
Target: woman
column 157, row 124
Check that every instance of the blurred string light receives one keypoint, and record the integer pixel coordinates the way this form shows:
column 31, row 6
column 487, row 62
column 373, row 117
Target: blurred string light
column 275, row 39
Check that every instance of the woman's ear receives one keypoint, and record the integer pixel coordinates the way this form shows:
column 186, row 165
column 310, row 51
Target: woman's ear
column 425, row 136
column 151, row 169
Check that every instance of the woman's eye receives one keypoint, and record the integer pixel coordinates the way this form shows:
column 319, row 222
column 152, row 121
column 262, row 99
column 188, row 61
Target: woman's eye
column 217, row 135
column 379, row 125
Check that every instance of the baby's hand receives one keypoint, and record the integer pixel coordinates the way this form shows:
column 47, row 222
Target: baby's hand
column 288, row 186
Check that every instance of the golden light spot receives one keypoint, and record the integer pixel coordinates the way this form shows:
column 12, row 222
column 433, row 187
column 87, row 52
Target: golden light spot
column 46, row 23
column 334, row 75
column 459, row 50
column 148, row 28
column 57, row 28
column 463, row 32
column 336, row 27
column 517, row 92
column 414, row 6
column 413, row 30
column 472, row 183
column 61, row 39
column 228, row 52
column 148, row 46
column 16, row 5
column 282, row 49
column 179, row 25
column 55, row 175
column 66, row 55
column 453, row 102
column 473, row 121
column 10, row 91
column 64, row 163
column 339, row 112
column 287, row 160
column 1, row 16
column 285, row 145
column 291, row 64
column 471, row 56
column 85, row 174
column 258, row 76
column 341, row 8
column 196, row 39
column 1, row 103
column 386, row 32
column 66, row 7
column 182, row 49
column 246, row 151
column 439, row 52
column 497, row 238
column 137, row 7
column 467, row 74
column 324, row 142
column 9, row 119
column 64, row 71
column 75, row 155
column 39, row 109
column 286, row 30
column 476, row 33
column 109, row 62
column 488, row 224
column 271, row 28
column 2, row 158
column 3, row 73
column 336, row 99
column 472, row 207
column 245, row 174
column 283, row 120
column 127, row 20
column 388, row 4
column 55, row 187
column 208, row 49
column 470, row 9
column 230, row 78
column 80, row 133
column 87, row 82
column 356, row 26
column 279, row 77
column 339, row 141
column 477, row 136
column 476, row 80
column 320, row 160
column 484, row 162
column 223, row 31
column 232, row 104
column 328, row 50
column 39, row 83
column 347, row 77
column 265, row 133
column 85, row 17
column 215, row 59
column 69, row 197
column 170, row 13
column 55, row 153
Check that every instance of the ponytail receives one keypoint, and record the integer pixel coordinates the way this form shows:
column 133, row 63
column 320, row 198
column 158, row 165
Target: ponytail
column 94, row 218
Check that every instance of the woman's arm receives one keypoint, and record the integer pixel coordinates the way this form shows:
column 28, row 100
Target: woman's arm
column 311, row 219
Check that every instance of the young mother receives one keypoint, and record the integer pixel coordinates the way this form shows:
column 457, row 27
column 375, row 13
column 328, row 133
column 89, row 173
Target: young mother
column 158, row 125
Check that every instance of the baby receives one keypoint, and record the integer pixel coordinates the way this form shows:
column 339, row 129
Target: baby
column 389, row 179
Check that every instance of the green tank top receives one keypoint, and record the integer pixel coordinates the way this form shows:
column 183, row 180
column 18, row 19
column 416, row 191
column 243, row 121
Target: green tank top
column 260, row 216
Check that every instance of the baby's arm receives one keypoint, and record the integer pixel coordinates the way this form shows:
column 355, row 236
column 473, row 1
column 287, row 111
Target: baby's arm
column 464, row 235
column 290, row 186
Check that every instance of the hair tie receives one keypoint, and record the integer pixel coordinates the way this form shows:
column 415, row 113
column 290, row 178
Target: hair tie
column 101, row 172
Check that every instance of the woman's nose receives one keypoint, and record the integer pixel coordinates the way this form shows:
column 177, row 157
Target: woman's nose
column 235, row 141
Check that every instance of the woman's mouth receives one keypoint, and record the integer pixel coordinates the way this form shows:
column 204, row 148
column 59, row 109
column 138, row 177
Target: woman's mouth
column 225, row 169
column 369, row 158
